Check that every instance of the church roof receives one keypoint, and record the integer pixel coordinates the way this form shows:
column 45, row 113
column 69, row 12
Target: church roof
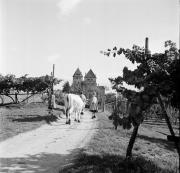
column 90, row 74
column 78, row 73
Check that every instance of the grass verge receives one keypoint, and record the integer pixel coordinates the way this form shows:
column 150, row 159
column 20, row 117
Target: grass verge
column 105, row 153
column 15, row 119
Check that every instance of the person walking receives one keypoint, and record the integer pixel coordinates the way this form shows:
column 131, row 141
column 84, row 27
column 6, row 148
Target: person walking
column 94, row 105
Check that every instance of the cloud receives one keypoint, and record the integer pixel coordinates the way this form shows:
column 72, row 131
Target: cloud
column 53, row 58
column 67, row 6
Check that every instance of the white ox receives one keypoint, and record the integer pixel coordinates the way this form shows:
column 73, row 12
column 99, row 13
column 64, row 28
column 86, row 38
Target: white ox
column 73, row 104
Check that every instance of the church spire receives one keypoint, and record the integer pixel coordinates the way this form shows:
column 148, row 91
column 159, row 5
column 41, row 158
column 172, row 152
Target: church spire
column 77, row 73
column 90, row 74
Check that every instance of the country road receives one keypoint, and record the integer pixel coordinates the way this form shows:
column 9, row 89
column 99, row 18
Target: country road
column 48, row 148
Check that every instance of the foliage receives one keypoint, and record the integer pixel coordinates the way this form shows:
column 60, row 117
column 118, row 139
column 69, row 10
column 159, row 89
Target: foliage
column 173, row 114
column 110, row 97
column 66, row 87
column 154, row 112
column 156, row 75
column 6, row 83
column 25, row 84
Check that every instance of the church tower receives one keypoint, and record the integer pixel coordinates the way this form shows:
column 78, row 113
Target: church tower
column 90, row 83
column 90, row 78
column 77, row 77
column 77, row 81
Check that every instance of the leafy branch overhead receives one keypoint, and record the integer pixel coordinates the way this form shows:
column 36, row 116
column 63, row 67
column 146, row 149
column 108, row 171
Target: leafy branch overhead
column 153, row 70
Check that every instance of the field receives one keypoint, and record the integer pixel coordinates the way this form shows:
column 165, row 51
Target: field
column 106, row 150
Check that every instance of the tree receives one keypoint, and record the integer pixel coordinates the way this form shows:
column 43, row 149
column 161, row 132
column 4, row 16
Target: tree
column 66, row 87
column 26, row 84
column 6, row 84
column 156, row 76
column 110, row 97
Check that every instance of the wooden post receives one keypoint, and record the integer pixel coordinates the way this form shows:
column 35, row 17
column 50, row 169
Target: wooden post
column 51, row 88
column 53, row 79
column 103, row 103
column 16, row 99
column 146, row 45
column 49, row 98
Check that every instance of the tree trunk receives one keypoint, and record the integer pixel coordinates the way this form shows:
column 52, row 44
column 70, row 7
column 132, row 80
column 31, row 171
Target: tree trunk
column 179, row 134
column 16, row 98
column 179, row 119
column 169, row 124
column 131, row 142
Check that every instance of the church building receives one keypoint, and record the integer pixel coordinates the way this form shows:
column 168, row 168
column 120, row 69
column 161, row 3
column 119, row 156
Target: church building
column 87, row 84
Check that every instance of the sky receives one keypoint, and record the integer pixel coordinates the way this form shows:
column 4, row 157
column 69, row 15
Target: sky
column 35, row 34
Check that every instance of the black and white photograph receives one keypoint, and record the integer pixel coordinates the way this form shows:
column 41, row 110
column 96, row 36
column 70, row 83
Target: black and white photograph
column 89, row 86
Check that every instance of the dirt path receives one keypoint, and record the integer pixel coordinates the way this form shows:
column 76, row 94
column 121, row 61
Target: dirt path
column 46, row 149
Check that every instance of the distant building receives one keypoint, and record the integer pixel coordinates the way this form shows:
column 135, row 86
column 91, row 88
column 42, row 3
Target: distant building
column 88, row 85
column 77, row 82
